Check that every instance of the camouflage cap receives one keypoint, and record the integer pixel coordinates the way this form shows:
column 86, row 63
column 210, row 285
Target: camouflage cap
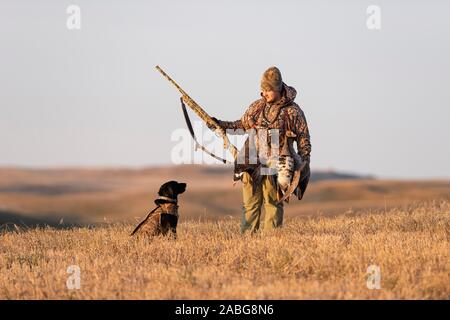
column 271, row 80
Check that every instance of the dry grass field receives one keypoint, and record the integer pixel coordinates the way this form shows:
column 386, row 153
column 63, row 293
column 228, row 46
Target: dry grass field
column 323, row 251
column 309, row 258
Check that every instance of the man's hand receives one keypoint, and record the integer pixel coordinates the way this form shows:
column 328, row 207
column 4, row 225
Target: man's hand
column 211, row 126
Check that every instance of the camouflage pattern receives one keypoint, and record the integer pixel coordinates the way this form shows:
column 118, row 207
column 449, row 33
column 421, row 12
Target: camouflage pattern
column 284, row 115
column 153, row 225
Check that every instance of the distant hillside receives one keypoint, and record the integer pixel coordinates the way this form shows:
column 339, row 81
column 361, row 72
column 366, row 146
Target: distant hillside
column 101, row 195
column 319, row 175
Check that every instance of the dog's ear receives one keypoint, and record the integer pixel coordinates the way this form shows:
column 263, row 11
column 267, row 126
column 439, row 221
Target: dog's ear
column 181, row 187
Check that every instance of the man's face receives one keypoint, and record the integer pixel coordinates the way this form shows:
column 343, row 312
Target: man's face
column 271, row 96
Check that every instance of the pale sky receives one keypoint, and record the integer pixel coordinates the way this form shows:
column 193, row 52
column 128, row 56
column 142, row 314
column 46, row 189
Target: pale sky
column 376, row 101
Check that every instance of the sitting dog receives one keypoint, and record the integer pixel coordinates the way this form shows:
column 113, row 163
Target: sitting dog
column 163, row 219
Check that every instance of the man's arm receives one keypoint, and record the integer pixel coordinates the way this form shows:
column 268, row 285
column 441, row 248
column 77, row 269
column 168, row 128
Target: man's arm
column 303, row 138
column 245, row 122
column 231, row 124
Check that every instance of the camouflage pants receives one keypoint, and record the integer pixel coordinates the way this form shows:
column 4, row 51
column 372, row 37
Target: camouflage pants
column 265, row 193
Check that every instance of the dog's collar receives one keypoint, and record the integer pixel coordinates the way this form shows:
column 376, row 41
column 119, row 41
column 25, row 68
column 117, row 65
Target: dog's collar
column 167, row 199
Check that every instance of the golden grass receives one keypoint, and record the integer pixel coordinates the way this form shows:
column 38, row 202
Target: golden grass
column 309, row 258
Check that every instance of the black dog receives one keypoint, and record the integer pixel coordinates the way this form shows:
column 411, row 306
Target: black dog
column 164, row 218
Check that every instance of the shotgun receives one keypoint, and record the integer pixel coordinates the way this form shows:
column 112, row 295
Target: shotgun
column 203, row 115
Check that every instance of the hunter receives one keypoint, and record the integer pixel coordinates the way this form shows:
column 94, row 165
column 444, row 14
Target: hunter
column 275, row 109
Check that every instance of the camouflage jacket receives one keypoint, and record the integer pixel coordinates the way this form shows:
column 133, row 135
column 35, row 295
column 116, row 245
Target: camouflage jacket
column 283, row 115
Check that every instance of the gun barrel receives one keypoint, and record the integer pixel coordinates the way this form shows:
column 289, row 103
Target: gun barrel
column 171, row 80
column 201, row 113
column 187, row 99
